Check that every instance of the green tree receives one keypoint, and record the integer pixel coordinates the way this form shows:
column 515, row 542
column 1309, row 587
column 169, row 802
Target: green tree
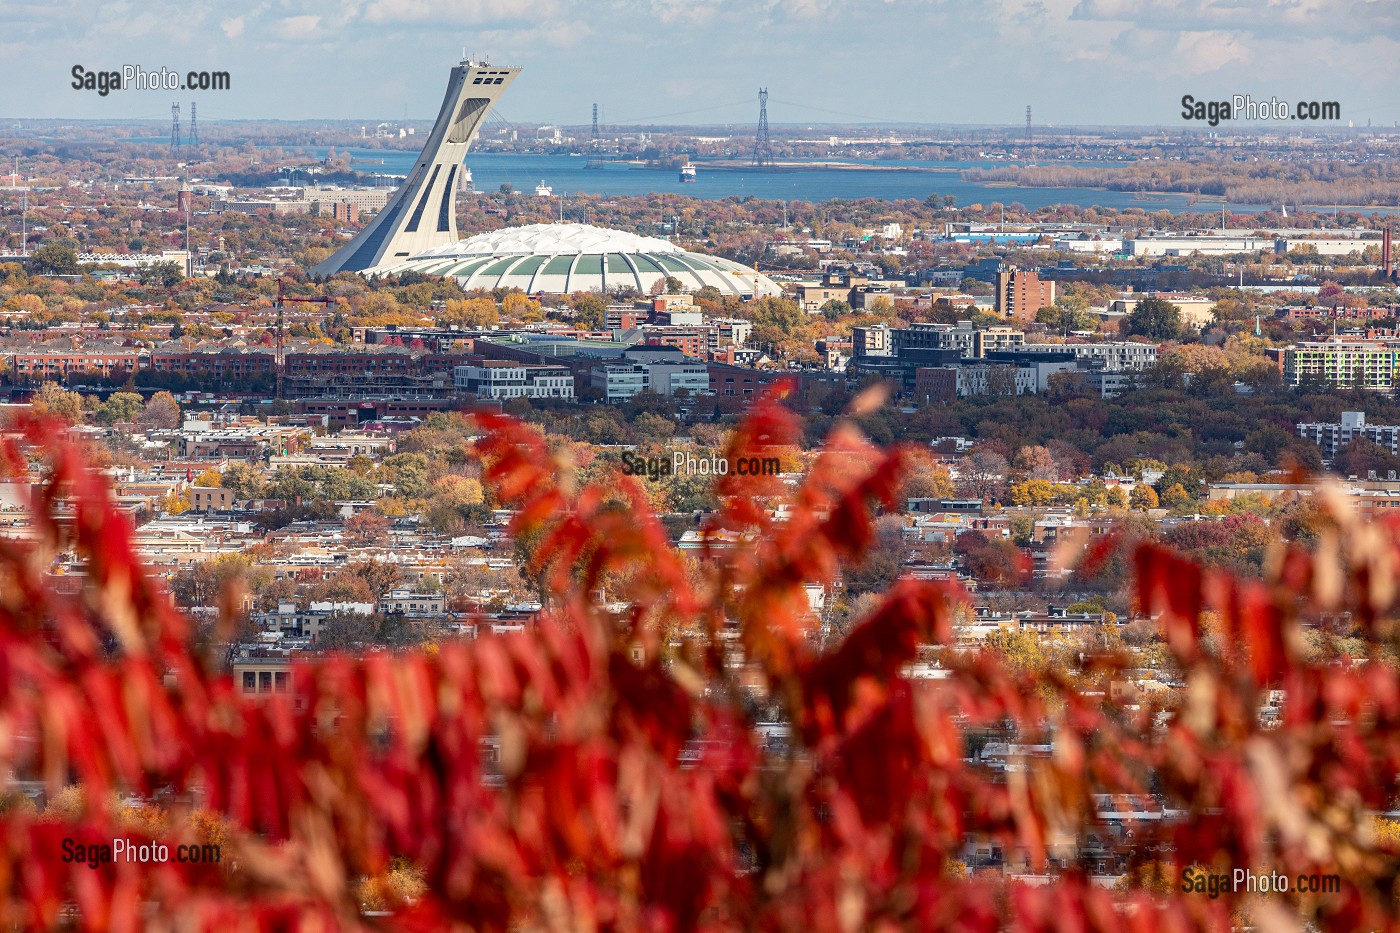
column 1155, row 319
column 590, row 310
column 1068, row 314
column 119, row 407
column 57, row 257
column 167, row 273
column 409, row 474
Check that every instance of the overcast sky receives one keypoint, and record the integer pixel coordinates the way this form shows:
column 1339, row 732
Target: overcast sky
column 702, row 61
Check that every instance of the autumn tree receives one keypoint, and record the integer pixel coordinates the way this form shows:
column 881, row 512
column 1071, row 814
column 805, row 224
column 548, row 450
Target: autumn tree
column 54, row 401
column 995, row 561
column 367, row 528
column 246, row 481
column 160, row 411
column 469, row 312
column 342, row 586
column 1363, row 457
column 1174, row 496
column 209, row 479
column 1037, row 463
column 380, row 576
column 1143, row 497
column 610, row 767
column 201, row 584
column 590, row 310
column 983, row 474
column 929, row 479
column 517, row 306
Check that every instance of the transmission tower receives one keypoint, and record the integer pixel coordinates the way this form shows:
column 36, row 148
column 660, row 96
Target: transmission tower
column 194, row 125
column 762, row 145
column 174, row 128
column 595, row 123
column 1029, row 149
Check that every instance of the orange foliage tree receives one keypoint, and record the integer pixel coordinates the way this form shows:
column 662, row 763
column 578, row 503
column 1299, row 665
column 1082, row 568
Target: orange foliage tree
column 603, row 770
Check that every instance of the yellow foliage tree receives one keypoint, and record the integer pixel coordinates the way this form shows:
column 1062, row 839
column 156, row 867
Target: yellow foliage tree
column 54, row 401
column 1144, row 497
column 25, row 304
column 517, row 306
column 469, row 312
column 1174, row 495
column 210, row 479
column 459, row 489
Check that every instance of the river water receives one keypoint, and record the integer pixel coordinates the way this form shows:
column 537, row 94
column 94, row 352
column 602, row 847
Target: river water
column 569, row 175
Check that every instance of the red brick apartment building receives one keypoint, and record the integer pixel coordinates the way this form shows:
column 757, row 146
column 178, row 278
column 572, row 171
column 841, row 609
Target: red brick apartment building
column 50, row 365
column 1020, row 295
column 224, row 365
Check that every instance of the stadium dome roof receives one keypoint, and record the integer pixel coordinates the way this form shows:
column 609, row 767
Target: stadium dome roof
column 558, row 259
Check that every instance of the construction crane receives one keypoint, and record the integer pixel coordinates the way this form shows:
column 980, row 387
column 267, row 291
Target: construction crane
column 280, row 360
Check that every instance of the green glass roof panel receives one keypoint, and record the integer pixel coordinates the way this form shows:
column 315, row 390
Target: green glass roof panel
column 647, row 264
column 470, row 266
column 530, row 266
column 558, row 265
column 499, row 266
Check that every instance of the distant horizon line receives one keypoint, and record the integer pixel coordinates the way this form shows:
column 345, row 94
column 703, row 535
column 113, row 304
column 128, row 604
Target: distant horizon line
column 585, row 129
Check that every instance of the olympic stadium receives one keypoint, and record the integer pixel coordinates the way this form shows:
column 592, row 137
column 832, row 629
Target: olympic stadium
column 560, row 258
column 417, row 229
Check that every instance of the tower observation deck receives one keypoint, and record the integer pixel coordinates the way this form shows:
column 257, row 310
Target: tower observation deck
column 423, row 212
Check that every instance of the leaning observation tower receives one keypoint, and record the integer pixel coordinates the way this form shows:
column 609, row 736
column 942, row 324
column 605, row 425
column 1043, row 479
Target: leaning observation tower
column 423, row 212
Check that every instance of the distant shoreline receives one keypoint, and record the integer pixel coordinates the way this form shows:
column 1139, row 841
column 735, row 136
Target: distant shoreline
column 720, row 165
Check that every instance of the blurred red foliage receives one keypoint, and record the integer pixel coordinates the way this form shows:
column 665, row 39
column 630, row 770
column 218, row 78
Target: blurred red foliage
column 632, row 791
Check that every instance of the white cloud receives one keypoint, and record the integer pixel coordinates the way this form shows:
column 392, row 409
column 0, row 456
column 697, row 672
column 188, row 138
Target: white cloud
column 299, row 27
column 938, row 60
column 457, row 12
column 1199, row 53
column 1290, row 20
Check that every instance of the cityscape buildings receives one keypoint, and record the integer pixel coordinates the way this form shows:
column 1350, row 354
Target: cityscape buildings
column 435, row 554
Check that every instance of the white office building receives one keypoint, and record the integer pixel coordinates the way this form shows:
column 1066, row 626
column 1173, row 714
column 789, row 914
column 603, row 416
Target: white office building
column 1113, row 355
column 619, row 381
column 500, row 379
column 1331, row 438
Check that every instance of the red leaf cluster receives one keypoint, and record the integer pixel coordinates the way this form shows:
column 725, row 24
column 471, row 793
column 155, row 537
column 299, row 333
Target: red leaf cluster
column 609, row 772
